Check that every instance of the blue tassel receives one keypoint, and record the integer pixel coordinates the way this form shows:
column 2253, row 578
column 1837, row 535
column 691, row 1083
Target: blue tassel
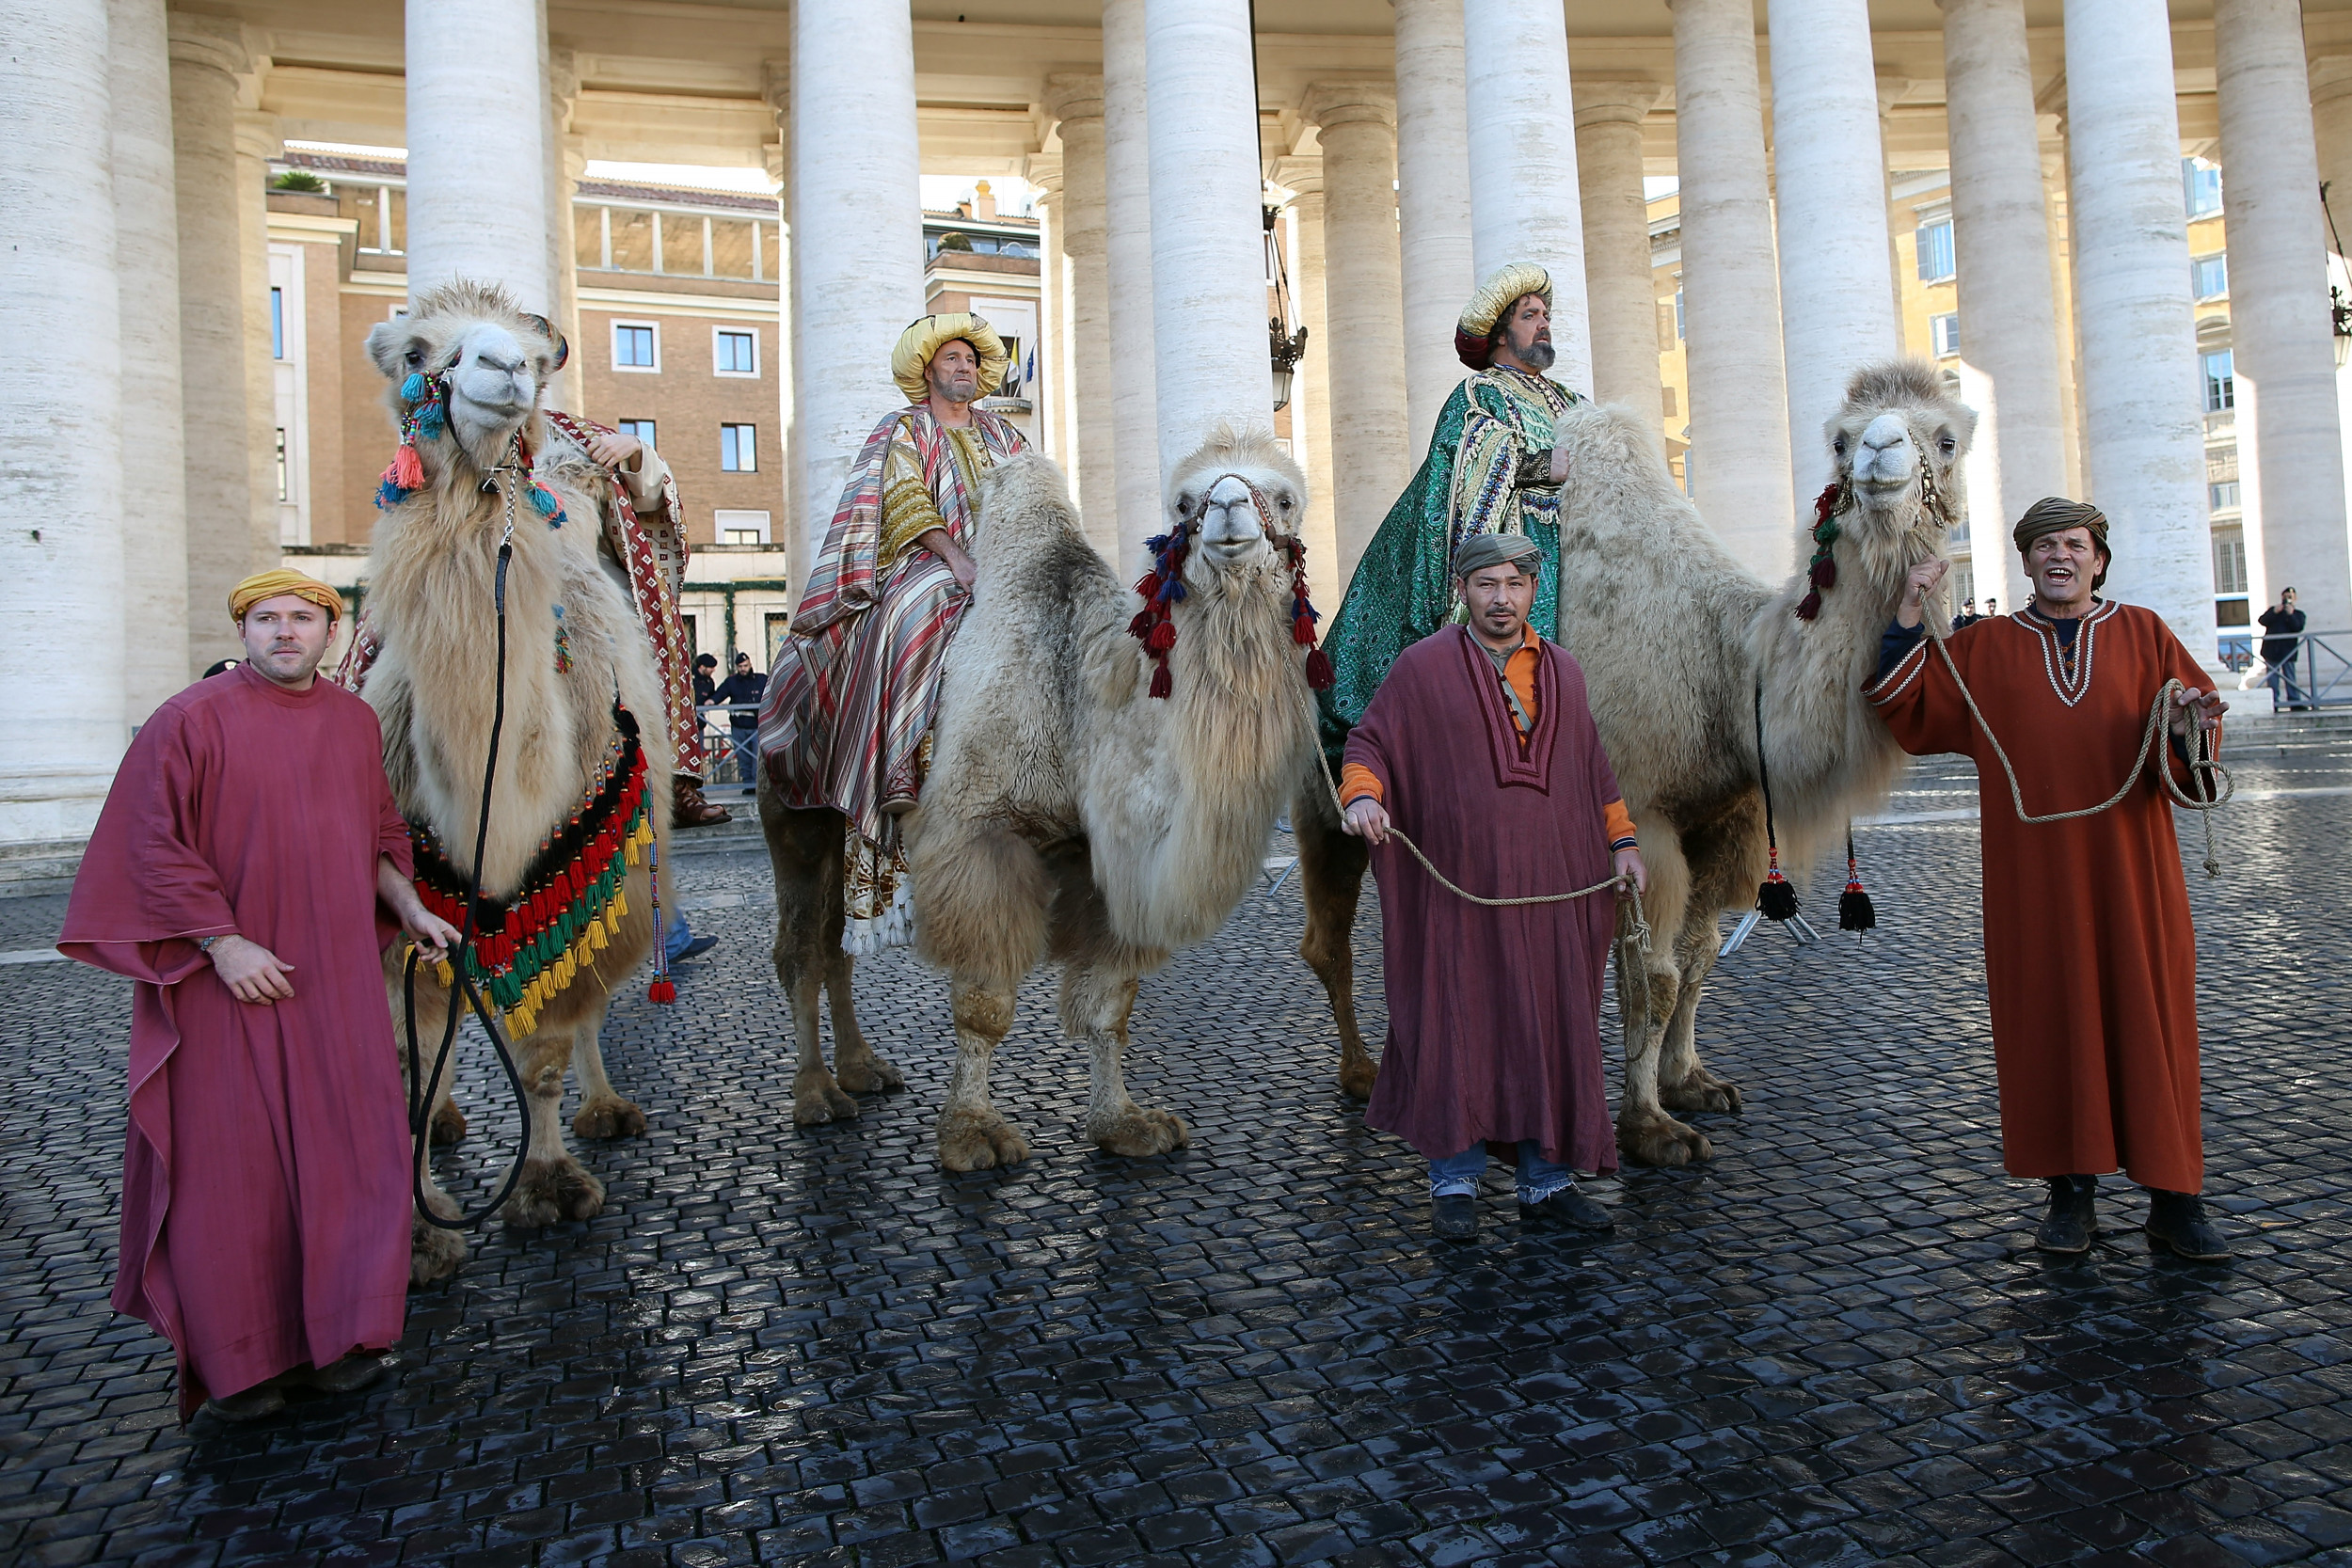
column 388, row 495
column 1157, row 543
column 544, row 499
column 413, row 388
column 430, row 420
column 1176, row 590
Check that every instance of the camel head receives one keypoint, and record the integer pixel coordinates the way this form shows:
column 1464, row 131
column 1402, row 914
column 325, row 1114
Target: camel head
column 469, row 350
column 1899, row 442
column 1239, row 501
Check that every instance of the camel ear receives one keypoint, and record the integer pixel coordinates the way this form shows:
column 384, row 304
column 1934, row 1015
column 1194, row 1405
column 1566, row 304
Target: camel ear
column 546, row 329
column 396, row 347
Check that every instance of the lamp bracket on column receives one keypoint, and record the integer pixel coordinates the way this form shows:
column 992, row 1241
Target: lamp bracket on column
column 2339, row 308
column 1288, row 347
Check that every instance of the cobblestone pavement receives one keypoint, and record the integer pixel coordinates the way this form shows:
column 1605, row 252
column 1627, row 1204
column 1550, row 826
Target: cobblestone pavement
column 1827, row 1346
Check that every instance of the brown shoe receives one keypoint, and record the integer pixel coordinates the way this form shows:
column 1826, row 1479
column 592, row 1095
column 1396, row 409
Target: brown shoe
column 690, row 810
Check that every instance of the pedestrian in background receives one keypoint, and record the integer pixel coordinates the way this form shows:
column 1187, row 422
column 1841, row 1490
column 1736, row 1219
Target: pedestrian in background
column 705, row 679
column 2283, row 640
column 741, row 693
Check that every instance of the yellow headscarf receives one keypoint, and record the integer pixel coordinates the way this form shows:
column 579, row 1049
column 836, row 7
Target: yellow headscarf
column 927, row 336
column 279, row 581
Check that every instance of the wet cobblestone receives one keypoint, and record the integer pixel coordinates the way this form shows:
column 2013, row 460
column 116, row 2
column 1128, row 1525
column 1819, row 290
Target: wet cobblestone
column 1828, row 1346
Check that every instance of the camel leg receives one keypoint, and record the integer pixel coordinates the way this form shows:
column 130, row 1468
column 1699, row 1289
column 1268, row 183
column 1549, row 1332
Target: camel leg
column 1719, row 880
column 554, row 1185
column 1095, row 1006
column 972, row 1135
column 804, row 853
column 1330, row 879
column 857, row 1067
column 602, row 1114
column 1646, row 1134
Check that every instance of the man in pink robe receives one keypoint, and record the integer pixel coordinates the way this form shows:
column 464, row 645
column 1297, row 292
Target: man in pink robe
column 248, row 872
column 1480, row 745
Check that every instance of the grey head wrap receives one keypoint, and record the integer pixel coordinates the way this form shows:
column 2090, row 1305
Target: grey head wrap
column 1482, row 550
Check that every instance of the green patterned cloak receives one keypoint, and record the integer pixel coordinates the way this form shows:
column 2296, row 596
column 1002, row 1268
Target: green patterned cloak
column 1487, row 469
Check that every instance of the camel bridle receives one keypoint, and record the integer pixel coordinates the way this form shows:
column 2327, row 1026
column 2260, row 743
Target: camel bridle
column 1163, row 588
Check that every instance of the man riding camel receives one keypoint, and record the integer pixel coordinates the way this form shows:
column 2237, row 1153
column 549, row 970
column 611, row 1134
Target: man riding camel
column 848, row 717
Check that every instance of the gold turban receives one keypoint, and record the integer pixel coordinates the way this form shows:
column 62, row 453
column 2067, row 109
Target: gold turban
column 276, row 583
column 927, row 336
column 1503, row 287
column 1482, row 550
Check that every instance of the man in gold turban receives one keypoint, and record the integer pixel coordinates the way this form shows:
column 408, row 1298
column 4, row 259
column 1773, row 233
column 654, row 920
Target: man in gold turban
column 855, row 687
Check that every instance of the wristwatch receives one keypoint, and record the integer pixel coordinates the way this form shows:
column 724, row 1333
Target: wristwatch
column 204, row 944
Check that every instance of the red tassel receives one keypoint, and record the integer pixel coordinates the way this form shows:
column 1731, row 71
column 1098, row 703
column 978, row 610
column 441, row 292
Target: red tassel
column 1825, row 502
column 1162, row 639
column 1303, row 631
column 1825, row 572
column 408, row 468
column 1320, row 675
column 1141, row 626
column 1163, row 684
column 661, row 990
column 1810, row 607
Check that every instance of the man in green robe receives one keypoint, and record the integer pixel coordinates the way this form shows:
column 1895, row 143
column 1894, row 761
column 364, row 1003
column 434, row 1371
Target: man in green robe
column 1490, row 469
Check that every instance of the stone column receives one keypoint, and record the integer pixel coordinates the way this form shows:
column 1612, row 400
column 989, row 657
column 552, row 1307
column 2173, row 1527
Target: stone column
column 1208, row 261
column 1524, row 204
column 1077, row 102
column 566, row 158
column 2144, row 444
column 256, row 144
column 1053, row 305
column 2331, row 126
column 2008, row 329
column 1312, row 413
column 2278, row 320
column 1371, row 453
column 856, row 168
column 207, row 56
column 147, row 254
column 777, row 91
column 1617, row 283
column 1730, row 291
column 1127, row 248
column 1432, row 204
column 477, row 103
column 1836, row 289
column 61, row 557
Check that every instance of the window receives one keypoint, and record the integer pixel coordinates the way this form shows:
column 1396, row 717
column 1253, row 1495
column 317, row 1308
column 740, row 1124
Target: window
column 284, row 488
column 2220, row 383
column 741, row 528
column 2222, row 496
column 2200, row 187
column 277, row 328
column 1935, row 251
column 2212, row 274
column 734, row 352
column 1677, row 315
column 636, row 346
column 779, row 628
column 2229, row 560
column 738, row 449
column 1944, row 331
column 641, row 429
column 1667, row 398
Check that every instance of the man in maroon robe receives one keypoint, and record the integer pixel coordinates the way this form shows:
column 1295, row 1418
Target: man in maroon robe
column 1479, row 746
column 246, row 873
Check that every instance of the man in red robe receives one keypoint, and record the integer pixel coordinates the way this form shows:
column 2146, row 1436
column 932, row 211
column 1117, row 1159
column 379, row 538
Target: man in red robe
column 1479, row 746
column 2089, row 958
column 248, row 871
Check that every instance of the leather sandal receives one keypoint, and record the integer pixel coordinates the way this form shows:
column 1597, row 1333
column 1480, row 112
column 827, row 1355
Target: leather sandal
column 690, row 810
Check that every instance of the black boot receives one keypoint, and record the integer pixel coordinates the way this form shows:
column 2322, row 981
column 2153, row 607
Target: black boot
column 2069, row 1224
column 1570, row 1207
column 2177, row 1220
column 1453, row 1217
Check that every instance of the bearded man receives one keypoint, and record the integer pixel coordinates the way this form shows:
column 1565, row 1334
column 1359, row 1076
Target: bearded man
column 847, row 720
column 248, row 871
column 1491, row 468
column 2089, row 956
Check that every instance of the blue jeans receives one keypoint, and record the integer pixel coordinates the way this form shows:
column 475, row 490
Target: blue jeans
column 2285, row 667
column 1458, row 1175
column 673, row 940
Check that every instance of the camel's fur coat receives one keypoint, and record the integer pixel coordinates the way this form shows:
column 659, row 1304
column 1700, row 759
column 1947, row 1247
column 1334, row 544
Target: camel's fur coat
column 432, row 575
column 1674, row 636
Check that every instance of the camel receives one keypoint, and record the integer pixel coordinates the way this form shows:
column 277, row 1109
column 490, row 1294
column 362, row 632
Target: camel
column 466, row 371
column 1674, row 637
column 1069, row 813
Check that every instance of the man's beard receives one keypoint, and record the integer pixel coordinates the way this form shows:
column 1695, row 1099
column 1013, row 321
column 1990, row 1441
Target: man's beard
column 1535, row 355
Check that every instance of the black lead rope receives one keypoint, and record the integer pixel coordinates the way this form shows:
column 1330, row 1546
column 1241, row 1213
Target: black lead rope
column 422, row 1095
column 1778, row 897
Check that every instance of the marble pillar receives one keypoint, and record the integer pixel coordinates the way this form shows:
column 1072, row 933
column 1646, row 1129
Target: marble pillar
column 469, row 216
column 146, row 259
column 1432, row 204
column 566, row 158
column 1306, row 240
column 1127, row 247
column 1836, row 287
column 2009, row 370
column 777, row 91
column 272, row 524
column 857, row 181
column 1524, row 203
column 1738, row 452
column 1076, row 103
column 1208, row 257
column 1054, row 365
column 2144, row 435
column 1617, row 282
column 207, row 56
column 2284, row 348
column 1372, row 453
column 61, row 558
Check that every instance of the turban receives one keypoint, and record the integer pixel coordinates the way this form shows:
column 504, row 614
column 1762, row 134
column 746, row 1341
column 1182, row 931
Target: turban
column 276, row 583
column 927, row 336
column 2055, row 514
column 1482, row 550
column 1503, row 289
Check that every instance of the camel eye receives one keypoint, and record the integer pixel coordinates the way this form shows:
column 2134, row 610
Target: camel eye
column 1838, row 446
column 1947, row 444
column 416, row 356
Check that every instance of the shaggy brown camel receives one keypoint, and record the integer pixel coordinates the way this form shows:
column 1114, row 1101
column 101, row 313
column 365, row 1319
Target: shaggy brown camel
column 1070, row 815
column 1674, row 637
column 466, row 371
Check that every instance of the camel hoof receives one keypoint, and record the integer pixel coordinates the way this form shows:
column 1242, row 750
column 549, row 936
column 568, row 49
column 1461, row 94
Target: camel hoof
column 609, row 1118
column 434, row 1253
column 816, row 1100
column 552, row 1191
column 869, row 1074
column 977, row 1140
column 1138, row 1133
column 1701, row 1091
column 1661, row 1140
column 1358, row 1076
column 449, row 1125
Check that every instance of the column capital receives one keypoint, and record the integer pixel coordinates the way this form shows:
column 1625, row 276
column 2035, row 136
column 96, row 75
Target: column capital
column 1601, row 99
column 1329, row 104
column 775, row 84
column 563, row 80
column 1044, row 170
column 1891, row 90
column 257, row 135
column 1074, row 96
column 1303, row 176
column 212, row 41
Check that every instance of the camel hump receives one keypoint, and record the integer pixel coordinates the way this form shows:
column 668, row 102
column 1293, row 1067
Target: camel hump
column 1024, row 504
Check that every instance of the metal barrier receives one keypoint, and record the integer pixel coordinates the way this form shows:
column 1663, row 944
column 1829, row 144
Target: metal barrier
column 2319, row 677
column 730, row 755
